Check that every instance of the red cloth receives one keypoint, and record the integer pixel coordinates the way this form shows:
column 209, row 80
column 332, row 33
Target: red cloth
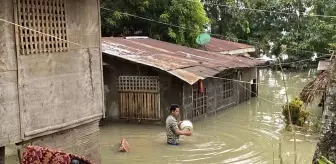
column 39, row 155
column 201, row 86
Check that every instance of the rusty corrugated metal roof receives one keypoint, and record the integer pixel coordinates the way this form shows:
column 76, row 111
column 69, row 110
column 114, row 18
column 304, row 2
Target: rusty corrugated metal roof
column 183, row 62
column 228, row 47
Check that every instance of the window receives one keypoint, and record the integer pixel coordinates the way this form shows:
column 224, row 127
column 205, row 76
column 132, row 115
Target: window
column 139, row 83
column 46, row 16
column 199, row 101
column 227, row 88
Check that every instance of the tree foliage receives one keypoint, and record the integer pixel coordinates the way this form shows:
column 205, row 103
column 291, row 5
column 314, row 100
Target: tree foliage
column 274, row 26
column 277, row 31
column 189, row 15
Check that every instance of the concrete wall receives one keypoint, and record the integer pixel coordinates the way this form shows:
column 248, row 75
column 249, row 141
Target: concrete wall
column 172, row 93
column 247, row 74
column 9, row 105
column 85, row 138
column 170, row 87
column 53, row 92
column 59, row 88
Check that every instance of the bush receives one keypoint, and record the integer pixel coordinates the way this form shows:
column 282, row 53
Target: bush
column 298, row 115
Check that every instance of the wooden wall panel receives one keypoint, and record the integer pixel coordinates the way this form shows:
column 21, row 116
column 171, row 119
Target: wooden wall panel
column 139, row 97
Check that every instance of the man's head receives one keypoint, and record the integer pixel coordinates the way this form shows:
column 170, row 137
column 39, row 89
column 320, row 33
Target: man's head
column 175, row 110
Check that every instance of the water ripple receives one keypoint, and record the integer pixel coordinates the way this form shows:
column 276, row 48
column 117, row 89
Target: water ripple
column 248, row 133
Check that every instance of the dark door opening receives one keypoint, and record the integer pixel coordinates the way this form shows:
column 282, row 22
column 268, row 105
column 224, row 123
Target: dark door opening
column 254, row 92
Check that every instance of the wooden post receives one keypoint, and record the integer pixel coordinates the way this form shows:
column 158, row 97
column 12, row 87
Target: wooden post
column 183, row 104
column 192, row 102
column 204, row 99
column 238, row 87
column 258, row 81
column 215, row 101
column 2, row 155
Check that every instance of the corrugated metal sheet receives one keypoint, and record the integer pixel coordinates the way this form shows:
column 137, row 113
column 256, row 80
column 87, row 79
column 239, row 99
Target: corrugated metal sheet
column 228, row 47
column 185, row 63
column 323, row 65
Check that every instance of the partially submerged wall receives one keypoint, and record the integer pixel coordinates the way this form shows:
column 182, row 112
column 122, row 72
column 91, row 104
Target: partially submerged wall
column 9, row 105
column 82, row 141
column 61, row 90
column 47, row 85
column 246, row 75
column 220, row 93
column 170, row 86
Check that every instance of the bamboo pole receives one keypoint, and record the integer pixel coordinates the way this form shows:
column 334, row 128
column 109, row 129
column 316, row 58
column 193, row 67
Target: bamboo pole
column 289, row 112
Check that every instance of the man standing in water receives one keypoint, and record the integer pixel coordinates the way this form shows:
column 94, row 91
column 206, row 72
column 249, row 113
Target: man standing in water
column 172, row 126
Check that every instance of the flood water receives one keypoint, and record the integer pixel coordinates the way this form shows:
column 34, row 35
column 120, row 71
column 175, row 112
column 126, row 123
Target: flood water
column 247, row 133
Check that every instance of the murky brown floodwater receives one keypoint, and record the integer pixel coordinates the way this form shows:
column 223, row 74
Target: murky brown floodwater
column 247, row 133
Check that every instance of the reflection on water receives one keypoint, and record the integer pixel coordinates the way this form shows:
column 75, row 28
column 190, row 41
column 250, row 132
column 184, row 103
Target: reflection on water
column 248, row 133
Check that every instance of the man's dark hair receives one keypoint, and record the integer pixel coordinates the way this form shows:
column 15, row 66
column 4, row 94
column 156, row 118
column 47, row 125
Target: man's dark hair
column 173, row 107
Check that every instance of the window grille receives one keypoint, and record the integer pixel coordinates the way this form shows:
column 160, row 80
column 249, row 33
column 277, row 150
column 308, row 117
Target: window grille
column 227, row 88
column 46, row 16
column 199, row 101
column 139, row 83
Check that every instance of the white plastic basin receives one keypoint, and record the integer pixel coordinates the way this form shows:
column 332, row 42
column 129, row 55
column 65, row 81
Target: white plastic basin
column 186, row 125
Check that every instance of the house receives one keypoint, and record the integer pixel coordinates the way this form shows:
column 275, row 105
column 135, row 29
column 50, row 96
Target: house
column 51, row 85
column 228, row 48
column 143, row 77
column 317, row 88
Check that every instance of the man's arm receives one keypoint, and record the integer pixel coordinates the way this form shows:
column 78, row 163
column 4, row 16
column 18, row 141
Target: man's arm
column 176, row 129
column 180, row 132
column 179, row 124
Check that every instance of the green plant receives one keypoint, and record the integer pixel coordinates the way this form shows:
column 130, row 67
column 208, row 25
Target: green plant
column 298, row 115
column 324, row 160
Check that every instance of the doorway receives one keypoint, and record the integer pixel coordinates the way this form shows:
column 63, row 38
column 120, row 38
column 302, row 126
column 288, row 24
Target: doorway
column 254, row 89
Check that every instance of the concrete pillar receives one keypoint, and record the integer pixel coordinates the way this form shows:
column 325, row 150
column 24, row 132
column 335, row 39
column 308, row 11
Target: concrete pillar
column 2, row 155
